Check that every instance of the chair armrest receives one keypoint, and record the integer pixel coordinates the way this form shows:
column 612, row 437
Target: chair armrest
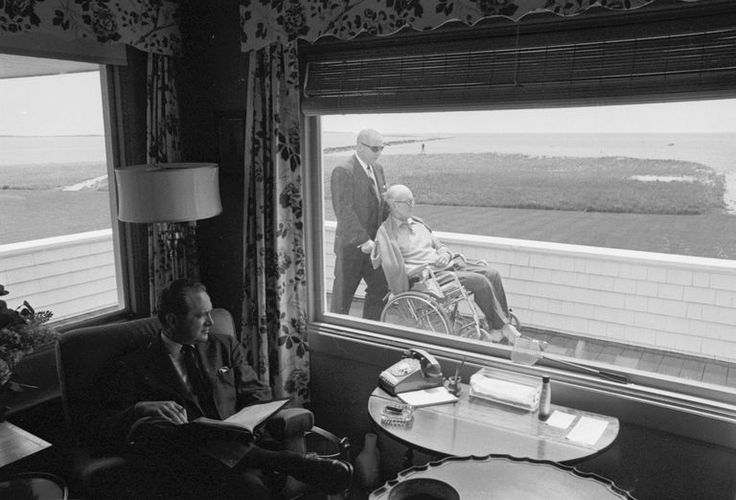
column 290, row 422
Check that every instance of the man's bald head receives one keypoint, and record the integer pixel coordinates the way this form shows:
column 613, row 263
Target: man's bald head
column 369, row 145
column 400, row 200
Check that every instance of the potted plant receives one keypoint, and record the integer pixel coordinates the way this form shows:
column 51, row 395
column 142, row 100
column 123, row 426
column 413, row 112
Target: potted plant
column 22, row 331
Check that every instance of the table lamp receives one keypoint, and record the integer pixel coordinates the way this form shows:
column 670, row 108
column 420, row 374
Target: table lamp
column 168, row 192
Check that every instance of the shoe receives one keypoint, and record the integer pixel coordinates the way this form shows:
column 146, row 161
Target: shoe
column 327, row 474
column 496, row 335
column 510, row 333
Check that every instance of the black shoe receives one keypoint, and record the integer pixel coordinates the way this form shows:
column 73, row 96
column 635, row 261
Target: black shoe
column 327, row 474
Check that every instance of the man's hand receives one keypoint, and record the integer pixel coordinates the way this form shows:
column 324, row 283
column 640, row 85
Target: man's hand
column 443, row 260
column 367, row 247
column 170, row 410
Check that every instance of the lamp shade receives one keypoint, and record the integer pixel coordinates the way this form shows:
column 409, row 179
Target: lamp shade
column 168, row 192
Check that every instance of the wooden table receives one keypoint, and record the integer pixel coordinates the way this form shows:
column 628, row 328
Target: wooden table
column 474, row 426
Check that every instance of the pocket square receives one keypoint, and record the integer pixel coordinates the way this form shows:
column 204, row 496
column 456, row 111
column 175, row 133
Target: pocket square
column 223, row 370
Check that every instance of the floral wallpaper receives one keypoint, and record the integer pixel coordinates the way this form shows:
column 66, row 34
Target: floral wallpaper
column 264, row 21
column 149, row 25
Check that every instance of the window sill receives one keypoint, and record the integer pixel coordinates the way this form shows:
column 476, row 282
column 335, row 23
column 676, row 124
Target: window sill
column 662, row 409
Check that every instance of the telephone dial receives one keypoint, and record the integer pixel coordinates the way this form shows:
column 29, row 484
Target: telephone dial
column 416, row 370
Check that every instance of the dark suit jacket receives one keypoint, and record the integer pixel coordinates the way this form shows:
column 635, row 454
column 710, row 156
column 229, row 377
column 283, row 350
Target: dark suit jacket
column 148, row 374
column 357, row 209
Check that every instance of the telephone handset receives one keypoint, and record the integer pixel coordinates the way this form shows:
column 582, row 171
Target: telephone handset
column 416, row 370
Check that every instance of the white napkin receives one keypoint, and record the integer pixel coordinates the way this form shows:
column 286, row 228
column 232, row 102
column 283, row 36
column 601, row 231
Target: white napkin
column 505, row 391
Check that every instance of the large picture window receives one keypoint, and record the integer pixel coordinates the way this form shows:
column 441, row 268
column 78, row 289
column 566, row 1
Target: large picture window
column 56, row 235
column 590, row 167
column 605, row 223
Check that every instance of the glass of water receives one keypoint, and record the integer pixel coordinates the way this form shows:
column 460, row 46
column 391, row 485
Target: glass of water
column 526, row 351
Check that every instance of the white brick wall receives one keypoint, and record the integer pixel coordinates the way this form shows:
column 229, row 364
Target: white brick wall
column 68, row 275
column 682, row 304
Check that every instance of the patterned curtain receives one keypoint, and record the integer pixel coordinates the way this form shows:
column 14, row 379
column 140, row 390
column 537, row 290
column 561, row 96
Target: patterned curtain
column 148, row 25
column 172, row 249
column 263, row 23
column 274, row 307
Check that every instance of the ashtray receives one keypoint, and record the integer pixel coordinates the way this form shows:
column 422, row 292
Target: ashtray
column 397, row 414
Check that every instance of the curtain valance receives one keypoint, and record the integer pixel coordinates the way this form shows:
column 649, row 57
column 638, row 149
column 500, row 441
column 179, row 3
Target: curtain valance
column 265, row 22
column 148, row 25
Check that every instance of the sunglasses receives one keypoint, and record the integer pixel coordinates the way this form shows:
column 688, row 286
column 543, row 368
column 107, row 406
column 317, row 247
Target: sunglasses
column 409, row 203
column 375, row 149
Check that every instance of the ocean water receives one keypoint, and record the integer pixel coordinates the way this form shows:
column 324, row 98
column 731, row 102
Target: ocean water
column 55, row 149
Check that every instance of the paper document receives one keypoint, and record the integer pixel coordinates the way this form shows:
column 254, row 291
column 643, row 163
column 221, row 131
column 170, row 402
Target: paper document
column 246, row 419
column 560, row 419
column 427, row 397
column 587, row 431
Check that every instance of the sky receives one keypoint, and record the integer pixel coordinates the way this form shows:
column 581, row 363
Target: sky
column 69, row 104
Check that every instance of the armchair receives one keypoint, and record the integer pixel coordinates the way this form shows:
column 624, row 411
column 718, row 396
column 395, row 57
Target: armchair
column 96, row 472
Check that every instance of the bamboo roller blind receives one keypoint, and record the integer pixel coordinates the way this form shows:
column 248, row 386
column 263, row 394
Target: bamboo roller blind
column 639, row 61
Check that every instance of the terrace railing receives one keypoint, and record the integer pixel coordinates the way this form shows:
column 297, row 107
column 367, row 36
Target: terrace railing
column 675, row 303
column 69, row 275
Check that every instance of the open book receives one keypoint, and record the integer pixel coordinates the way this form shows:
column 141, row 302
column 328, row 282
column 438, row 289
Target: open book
column 246, row 419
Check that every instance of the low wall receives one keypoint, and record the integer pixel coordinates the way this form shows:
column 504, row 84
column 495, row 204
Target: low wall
column 677, row 303
column 68, row 275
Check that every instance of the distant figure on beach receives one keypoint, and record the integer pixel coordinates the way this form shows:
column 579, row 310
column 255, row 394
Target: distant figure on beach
column 357, row 188
column 422, row 148
column 405, row 244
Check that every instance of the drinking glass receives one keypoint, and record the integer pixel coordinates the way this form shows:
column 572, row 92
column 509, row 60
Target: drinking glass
column 526, row 351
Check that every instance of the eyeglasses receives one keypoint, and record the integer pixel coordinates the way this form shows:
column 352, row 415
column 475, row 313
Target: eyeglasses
column 375, row 149
column 408, row 203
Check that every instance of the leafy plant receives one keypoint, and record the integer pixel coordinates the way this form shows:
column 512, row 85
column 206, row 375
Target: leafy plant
column 22, row 331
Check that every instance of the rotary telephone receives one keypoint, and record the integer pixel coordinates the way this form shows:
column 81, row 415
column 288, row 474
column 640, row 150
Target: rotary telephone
column 416, row 370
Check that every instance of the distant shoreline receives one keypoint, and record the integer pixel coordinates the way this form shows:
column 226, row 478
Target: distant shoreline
column 49, row 136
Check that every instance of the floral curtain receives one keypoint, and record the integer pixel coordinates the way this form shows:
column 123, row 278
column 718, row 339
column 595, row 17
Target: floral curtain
column 274, row 307
column 149, row 25
column 172, row 250
column 264, row 22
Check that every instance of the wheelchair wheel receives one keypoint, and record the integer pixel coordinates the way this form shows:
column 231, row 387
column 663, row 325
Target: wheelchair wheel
column 416, row 310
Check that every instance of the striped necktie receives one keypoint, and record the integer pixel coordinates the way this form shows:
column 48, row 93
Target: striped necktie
column 372, row 176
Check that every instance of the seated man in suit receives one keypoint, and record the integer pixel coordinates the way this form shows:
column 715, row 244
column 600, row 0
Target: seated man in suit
column 186, row 372
column 405, row 243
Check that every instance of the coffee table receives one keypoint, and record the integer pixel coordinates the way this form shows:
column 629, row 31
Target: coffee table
column 478, row 427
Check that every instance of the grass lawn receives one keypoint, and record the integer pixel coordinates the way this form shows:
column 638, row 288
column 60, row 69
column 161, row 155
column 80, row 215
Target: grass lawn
column 604, row 184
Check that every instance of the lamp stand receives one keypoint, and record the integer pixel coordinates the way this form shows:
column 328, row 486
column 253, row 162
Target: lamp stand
column 175, row 241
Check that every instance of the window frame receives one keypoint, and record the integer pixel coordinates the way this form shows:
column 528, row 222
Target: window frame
column 645, row 389
column 114, row 155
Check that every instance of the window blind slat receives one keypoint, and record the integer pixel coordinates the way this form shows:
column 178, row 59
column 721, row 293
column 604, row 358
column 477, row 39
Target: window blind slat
column 580, row 64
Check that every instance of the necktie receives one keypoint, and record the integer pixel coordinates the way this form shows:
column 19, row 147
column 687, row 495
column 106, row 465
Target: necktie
column 198, row 380
column 372, row 176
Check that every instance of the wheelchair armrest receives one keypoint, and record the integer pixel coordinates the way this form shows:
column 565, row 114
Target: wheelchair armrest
column 417, row 272
column 290, row 423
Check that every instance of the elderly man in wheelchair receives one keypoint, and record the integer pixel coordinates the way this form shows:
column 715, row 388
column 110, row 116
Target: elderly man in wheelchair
column 431, row 287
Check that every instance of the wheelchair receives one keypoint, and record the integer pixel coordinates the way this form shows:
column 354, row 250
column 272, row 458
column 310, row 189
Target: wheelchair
column 438, row 302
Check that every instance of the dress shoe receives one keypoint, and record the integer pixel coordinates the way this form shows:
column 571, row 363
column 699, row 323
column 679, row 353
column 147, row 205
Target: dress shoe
column 327, row 474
